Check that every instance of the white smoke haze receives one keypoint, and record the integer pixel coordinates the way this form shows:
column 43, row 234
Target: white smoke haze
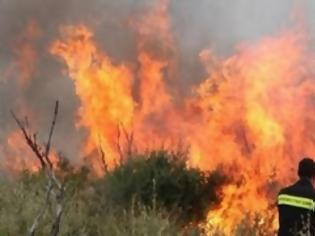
column 219, row 24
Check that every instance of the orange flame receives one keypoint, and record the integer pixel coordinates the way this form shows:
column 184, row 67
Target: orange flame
column 104, row 88
column 261, row 100
column 17, row 155
column 254, row 112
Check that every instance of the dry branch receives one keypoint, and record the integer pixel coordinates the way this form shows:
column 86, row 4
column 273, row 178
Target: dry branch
column 58, row 212
column 51, row 131
column 30, row 140
column 42, row 212
column 54, row 186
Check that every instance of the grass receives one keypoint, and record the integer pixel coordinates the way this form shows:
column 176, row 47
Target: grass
column 128, row 201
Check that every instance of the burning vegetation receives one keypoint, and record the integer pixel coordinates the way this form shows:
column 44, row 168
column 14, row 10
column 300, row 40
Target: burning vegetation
column 250, row 116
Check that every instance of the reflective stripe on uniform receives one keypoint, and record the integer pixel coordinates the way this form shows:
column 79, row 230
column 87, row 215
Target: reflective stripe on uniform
column 301, row 202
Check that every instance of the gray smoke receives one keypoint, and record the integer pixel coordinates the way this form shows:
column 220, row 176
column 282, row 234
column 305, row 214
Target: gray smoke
column 219, row 24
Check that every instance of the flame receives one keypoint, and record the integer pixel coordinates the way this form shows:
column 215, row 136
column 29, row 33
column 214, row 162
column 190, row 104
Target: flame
column 156, row 54
column 18, row 156
column 253, row 114
column 104, row 89
column 258, row 103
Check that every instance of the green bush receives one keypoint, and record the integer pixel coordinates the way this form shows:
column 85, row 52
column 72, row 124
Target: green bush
column 22, row 198
column 164, row 179
column 88, row 213
column 150, row 194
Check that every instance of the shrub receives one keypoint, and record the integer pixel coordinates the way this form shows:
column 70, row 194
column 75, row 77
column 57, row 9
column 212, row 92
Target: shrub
column 164, row 179
column 151, row 194
column 22, row 198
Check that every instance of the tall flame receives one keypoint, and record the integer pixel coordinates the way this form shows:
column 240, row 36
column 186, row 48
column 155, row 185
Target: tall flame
column 253, row 115
column 104, row 88
column 259, row 106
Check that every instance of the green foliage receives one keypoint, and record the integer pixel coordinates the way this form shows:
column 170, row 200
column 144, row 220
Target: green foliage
column 19, row 201
column 164, row 179
column 153, row 194
column 86, row 211
column 138, row 221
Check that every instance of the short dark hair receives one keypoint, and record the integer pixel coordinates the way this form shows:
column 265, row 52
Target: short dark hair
column 306, row 168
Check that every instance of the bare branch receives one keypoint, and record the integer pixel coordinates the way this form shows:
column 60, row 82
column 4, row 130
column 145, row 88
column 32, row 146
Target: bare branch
column 31, row 143
column 54, row 187
column 42, row 212
column 58, row 212
column 50, row 135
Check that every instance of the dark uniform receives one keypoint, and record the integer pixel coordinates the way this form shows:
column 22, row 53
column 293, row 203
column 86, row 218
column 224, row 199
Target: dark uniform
column 296, row 209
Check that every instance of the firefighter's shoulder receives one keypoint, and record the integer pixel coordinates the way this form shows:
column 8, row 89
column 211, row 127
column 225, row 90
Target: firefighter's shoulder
column 301, row 188
column 287, row 190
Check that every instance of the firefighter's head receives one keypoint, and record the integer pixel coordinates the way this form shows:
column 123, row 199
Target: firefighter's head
column 306, row 168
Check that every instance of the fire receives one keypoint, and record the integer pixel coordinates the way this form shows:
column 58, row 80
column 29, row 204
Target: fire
column 259, row 104
column 156, row 59
column 253, row 114
column 104, row 89
column 17, row 155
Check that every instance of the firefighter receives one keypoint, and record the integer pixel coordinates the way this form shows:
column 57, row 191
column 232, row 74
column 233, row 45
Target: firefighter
column 296, row 203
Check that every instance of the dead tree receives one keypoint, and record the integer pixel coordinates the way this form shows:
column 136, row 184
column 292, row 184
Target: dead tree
column 55, row 189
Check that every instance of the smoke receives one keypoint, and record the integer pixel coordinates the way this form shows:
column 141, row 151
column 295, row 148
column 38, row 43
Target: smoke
column 220, row 25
